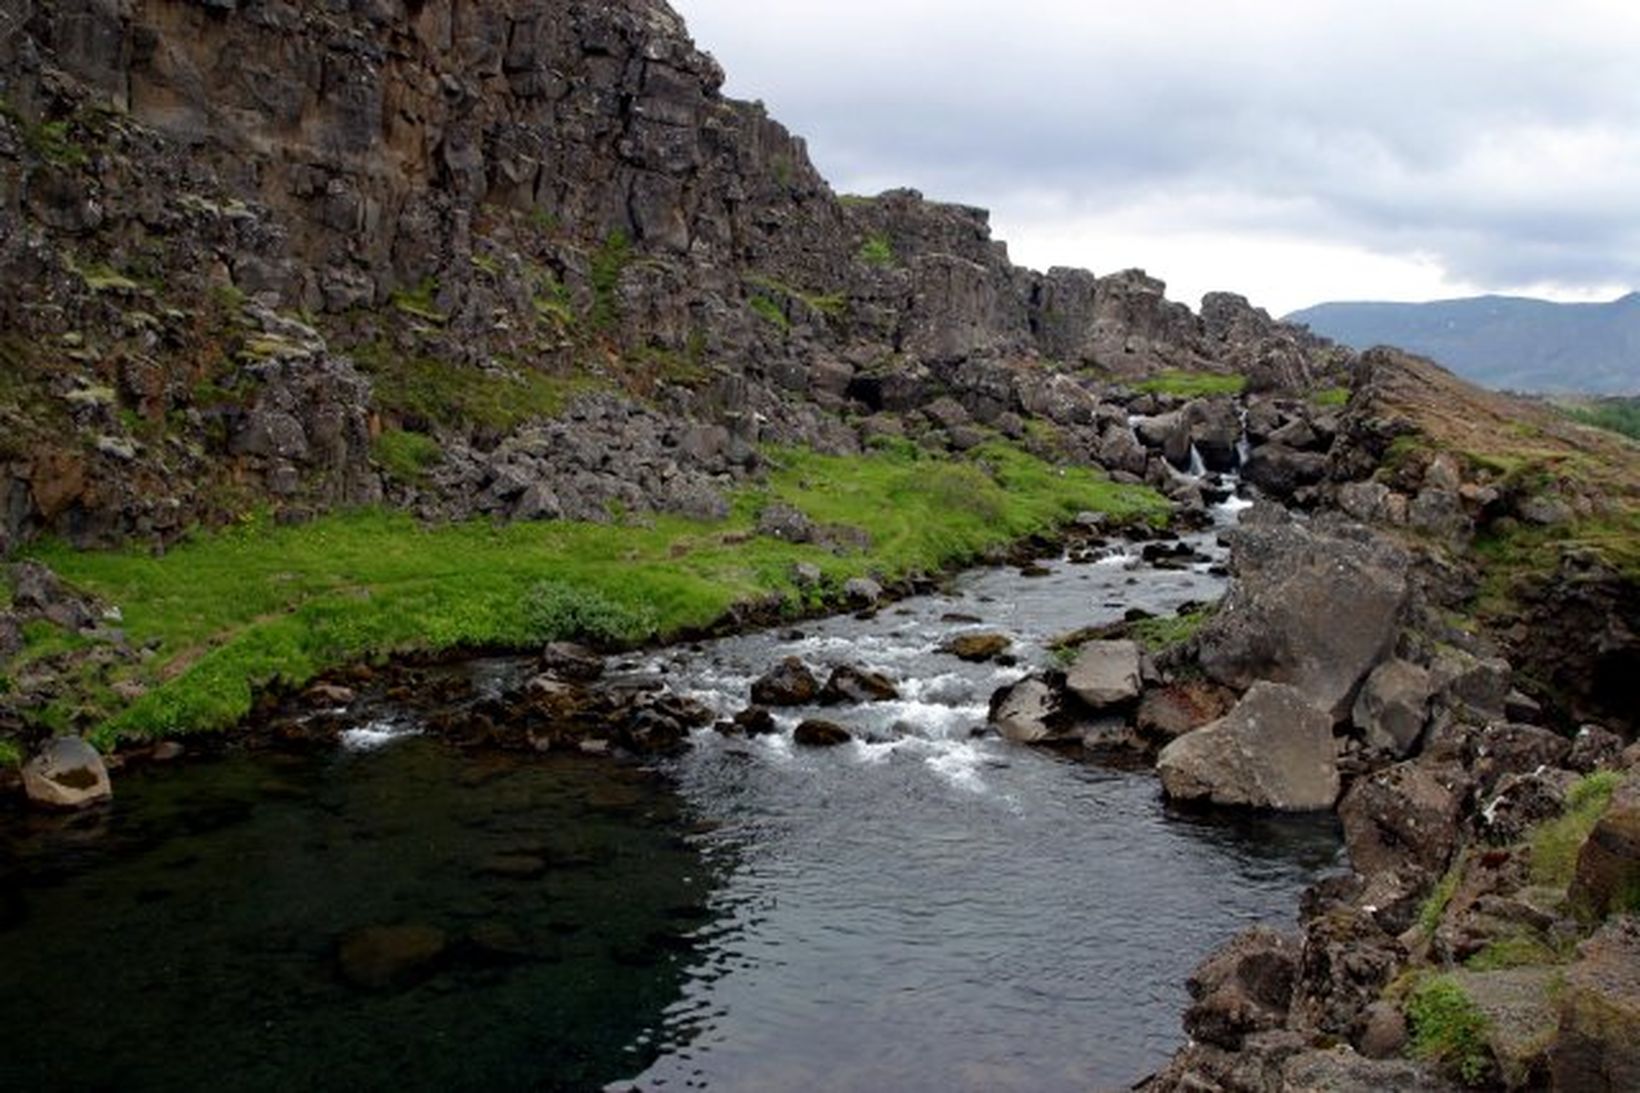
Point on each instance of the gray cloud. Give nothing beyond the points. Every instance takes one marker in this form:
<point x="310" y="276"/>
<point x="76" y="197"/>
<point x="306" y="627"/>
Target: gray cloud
<point x="1498" y="139"/>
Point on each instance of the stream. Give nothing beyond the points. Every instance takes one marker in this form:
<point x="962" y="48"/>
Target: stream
<point x="923" y="908"/>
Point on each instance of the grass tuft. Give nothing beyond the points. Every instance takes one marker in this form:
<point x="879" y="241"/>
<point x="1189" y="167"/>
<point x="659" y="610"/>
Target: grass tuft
<point x="1193" y="384"/>
<point x="405" y="456"/>
<point x="1556" y="843"/>
<point x="1448" y="1029"/>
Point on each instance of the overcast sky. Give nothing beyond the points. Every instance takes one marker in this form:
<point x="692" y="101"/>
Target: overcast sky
<point x="1293" y="151"/>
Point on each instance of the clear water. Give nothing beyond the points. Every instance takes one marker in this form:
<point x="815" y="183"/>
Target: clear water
<point x="927" y="910"/>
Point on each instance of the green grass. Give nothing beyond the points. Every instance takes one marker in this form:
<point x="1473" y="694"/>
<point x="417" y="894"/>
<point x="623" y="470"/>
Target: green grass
<point x="1515" y="951"/>
<point x="234" y="611"/>
<point x="832" y="305"/>
<point x="422" y="389"/>
<point x="418" y="302"/>
<point x="609" y="261"/>
<point x="1434" y="905"/>
<point x="405" y="456"/>
<point x="11" y="755"/>
<point x="1615" y="415"/>
<point x="1330" y="397"/>
<point x="876" y="251"/>
<point x="1193" y="384"/>
<point x="1448" y="1029"/>
<point x="1556" y="843"/>
<point x="1164" y="633"/>
<point x="770" y="311"/>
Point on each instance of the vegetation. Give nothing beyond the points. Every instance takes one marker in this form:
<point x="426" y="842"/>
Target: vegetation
<point x="1555" y="843"/>
<point x="1194" y="384"/>
<point x="831" y="305"/>
<point x="405" y="456"/>
<point x="418" y="301"/>
<point x="1164" y="633"/>
<point x="1330" y="397"/>
<point x="1516" y="951"/>
<point x="230" y="612"/>
<point x="10" y="754"/>
<point x="877" y="251"/>
<point x="770" y="311"/>
<point x="1448" y="1029"/>
<point x="604" y="273"/>
<point x="1434" y="905"/>
<point x="421" y="390"/>
<point x="1615" y="415"/>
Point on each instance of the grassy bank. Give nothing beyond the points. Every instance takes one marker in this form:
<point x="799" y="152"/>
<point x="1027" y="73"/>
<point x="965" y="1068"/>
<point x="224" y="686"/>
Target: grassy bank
<point x="229" y="612"/>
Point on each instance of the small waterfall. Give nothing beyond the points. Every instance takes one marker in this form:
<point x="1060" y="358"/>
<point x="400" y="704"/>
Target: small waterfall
<point x="1198" y="466"/>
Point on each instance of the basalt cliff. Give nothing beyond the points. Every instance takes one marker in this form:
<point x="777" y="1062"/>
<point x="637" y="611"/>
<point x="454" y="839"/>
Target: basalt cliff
<point x="267" y="261"/>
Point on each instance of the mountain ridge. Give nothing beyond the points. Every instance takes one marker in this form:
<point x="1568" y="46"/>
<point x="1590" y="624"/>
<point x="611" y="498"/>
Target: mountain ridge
<point x="1515" y="342"/>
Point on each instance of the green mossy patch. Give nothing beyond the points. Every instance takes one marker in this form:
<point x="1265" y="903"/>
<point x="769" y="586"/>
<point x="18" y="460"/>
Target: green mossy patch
<point x="1193" y="384"/>
<point x="1448" y="1029"/>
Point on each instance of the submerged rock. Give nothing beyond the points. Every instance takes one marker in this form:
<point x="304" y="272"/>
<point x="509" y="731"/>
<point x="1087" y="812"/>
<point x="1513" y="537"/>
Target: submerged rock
<point x="1274" y="750"/>
<point x="390" y="957"/>
<point x="67" y="773"/>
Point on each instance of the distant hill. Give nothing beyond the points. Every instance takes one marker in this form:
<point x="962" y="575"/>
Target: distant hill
<point x="1506" y="342"/>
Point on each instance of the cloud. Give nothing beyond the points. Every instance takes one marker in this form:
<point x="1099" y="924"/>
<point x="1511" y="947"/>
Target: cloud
<point x="1489" y="144"/>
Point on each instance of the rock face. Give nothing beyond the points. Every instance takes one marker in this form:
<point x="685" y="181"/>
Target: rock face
<point x="67" y="773"/>
<point x="1314" y="610"/>
<point x="1105" y="673"/>
<point x="1608" y="865"/>
<point x="1597" y="1045"/>
<point x="1274" y="750"/>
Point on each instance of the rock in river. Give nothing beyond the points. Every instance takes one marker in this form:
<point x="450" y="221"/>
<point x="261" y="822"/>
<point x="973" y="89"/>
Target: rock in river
<point x="1274" y="750"/>
<point x="977" y="648"/>
<point x="815" y="733"/>
<point x="390" y="957"/>
<point x="67" y="773"/>
<point x="1106" y="673"/>
<point x="789" y="683"/>
<point x="851" y="684"/>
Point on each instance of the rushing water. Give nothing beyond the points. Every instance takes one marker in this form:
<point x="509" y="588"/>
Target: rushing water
<point x="925" y="908"/>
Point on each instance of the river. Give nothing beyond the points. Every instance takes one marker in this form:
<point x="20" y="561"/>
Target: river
<point x="924" y="908"/>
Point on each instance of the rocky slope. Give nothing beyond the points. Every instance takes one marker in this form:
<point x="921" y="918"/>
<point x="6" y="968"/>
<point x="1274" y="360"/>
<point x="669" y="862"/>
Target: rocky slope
<point x="269" y="254"/>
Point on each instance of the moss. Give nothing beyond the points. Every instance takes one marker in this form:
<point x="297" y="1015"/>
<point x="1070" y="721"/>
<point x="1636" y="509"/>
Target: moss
<point x="11" y="753"/>
<point x="1164" y="633"/>
<point x="1194" y="384"/>
<point x="770" y="311"/>
<point x="876" y="251"/>
<point x="405" y="456"/>
<point x="1435" y="904"/>
<point x="608" y="262"/>
<point x="420" y="390"/>
<point x="419" y="301"/>
<point x="1330" y="397"/>
<point x="1515" y="951"/>
<point x="831" y="305"/>
<point x="1556" y="843"/>
<point x="1448" y="1029"/>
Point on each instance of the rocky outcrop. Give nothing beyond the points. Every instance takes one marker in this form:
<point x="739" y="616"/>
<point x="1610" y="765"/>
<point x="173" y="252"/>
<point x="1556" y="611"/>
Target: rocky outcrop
<point x="1274" y="750"/>
<point x="1314" y="608"/>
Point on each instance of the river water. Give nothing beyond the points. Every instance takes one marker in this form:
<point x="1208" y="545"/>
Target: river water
<point x="924" y="908"/>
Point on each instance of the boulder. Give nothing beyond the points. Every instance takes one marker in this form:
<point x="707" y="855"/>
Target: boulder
<point x="66" y="773"/>
<point x="1244" y="987"/>
<point x="754" y="721"/>
<point x="815" y="733"/>
<point x="1215" y="428"/>
<point x="1105" y="674"/>
<point x="569" y="661"/>
<point x="1345" y="963"/>
<point x="1608" y="865"/>
<point x="789" y="683"/>
<point x="1405" y="815"/>
<point x="977" y="648"/>
<point x="1389" y="712"/>
<point x="851" y="684"/>
<point x="1597" y="1042"/>
<point x="1274" y="750"/>
<point x="1520" y="802"/>
<point x="1313" y="610"/>
<point x="1280" y="472"/>
<point x="1503" y="749"/>
<point x="1167" y="713"/>
<point x="1024" y="711"/>
<point x="862" y="591"/>
<point x="1593" y="748"/>
<point x="390" y="957"/>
